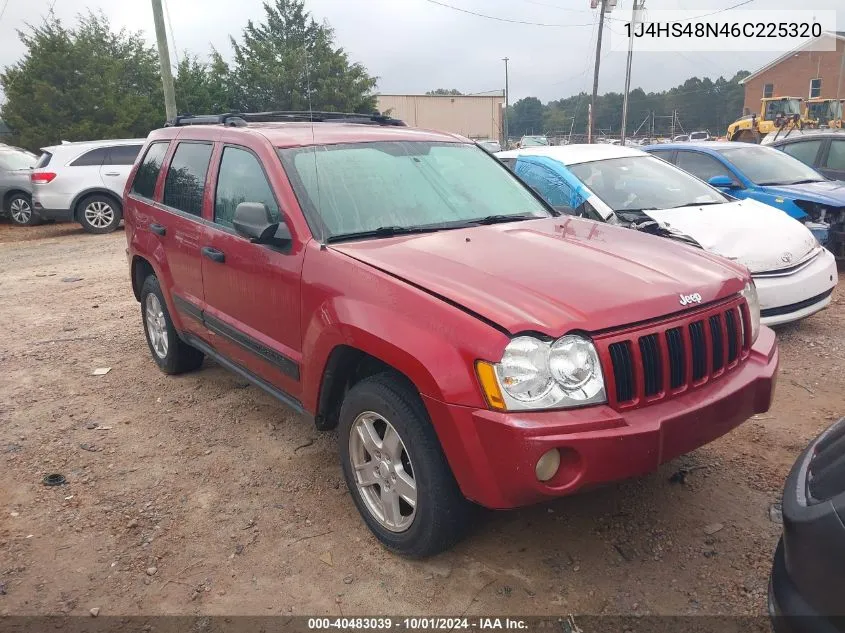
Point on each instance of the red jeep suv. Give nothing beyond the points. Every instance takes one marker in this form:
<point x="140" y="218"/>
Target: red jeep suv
<point x="469" y="342"/>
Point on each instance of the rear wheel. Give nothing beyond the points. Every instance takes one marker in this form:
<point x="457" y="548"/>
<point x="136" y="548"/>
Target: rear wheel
<point x="396" y="471"/>
<point x="171" y="353"/>
<point x="20" y="210"/>
<point x="99" y="214"/>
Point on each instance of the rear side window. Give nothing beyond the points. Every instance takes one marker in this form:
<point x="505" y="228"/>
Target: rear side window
<point x="43" y="160"/>
<point x="241" y="179"/>
<point x="93" y="158"/>
<point x="185" y="183"/>
<point x="145" y="180"/>
<point x="123" y="155"/>
<point x="836" y="155"/>
<point x="805" y="151"/>
<point x="662" y="153"/>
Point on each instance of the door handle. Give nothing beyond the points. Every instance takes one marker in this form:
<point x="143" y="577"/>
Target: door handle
<point x="112" y="173"/>
<point x="213" y="254"/>
<point x="158" y="229"/>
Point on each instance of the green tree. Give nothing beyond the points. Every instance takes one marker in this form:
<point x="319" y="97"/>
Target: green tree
<point x="203" y="88"/>
<point x="81" y="83"/>
<point x="444" y="92"/>
<point x="555" y="119"/>
<point x="278" y="60"/>
<point x="526" y="117"/>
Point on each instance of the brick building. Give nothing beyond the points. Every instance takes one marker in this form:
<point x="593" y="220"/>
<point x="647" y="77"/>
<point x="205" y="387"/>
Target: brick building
<point x="799" y="73"/>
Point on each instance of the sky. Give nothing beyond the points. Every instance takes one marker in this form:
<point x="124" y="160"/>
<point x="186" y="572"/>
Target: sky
<point x="417" y="45"/>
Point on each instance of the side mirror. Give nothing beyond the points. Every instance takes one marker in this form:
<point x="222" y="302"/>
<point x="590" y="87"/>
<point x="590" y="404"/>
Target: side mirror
<point x="253" y="220"/>
<point x="722" y="182"/>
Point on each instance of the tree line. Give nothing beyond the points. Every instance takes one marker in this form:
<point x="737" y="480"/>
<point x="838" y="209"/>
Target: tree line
<point x="701" y="104"/>
<point x="87" y="81"/>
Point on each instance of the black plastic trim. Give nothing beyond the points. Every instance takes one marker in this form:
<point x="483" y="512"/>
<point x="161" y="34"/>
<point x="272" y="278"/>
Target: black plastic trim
<point x="793" y="307"/>
<point x="280" y="395"/>
<point x="183" y="305"/>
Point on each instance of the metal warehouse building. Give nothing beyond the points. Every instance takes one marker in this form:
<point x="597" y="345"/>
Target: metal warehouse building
<point x="473" y="116"/>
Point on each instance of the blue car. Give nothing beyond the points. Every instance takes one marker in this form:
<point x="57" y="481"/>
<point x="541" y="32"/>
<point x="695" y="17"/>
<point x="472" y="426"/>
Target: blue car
<point x="761" y="173"/>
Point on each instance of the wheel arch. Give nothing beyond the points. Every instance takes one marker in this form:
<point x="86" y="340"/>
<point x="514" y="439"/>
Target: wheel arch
<point x="94" y="191"/>
<point x="7" y="197"/>
<point x="140" y="269"/>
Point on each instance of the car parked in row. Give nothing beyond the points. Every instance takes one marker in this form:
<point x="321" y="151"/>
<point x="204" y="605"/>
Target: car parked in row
<point x="808" y="573"/>
<point x="795" y="276"/>
<point x="823" y="150"/>
<point x="83" y="182"/>
<point x="468" y="341"/>
<point x="760" y="173"/>
<point x="15" y="187"/>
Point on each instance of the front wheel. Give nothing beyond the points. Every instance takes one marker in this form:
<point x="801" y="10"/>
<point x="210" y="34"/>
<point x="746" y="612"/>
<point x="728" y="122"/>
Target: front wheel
<point x="20" y="210"/>
<point x="396" y="471"/>
<point x="99" y="214"/>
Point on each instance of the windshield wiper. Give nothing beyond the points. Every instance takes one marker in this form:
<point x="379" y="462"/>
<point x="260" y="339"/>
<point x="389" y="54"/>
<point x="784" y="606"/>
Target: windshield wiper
<point x="384" y="231"/>
<point x="698" y="204"/>
<point x="499" y="219"/>
<point x="804" y="182"/>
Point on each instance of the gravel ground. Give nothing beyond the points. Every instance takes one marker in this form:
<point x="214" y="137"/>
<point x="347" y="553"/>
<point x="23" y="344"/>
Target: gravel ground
<point x="200" y="494"/>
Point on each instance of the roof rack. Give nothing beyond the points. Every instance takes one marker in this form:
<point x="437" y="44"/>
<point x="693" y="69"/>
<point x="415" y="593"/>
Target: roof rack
<point x="239" y="119"/>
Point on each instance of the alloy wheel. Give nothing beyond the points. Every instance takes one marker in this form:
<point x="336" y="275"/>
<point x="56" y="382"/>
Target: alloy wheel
<point x="156" y="325"/>
<point x="99" y="214"/>
<point x="21" y="210"/>
<point x="383" y="472"/>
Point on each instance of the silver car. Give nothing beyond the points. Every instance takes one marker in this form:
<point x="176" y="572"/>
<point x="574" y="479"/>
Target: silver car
<point x="15" y="187"/>
<point x="84" y="182"/>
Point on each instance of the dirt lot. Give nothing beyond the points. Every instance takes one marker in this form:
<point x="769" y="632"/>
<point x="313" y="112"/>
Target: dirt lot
<point x="201" y="494"/>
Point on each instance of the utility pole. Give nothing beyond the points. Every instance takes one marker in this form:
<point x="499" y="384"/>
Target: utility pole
<point x="505" y="143"/>
<point x="596" y="70"/>
<point x="164" y="62"/>
<point x="634" y="15"/>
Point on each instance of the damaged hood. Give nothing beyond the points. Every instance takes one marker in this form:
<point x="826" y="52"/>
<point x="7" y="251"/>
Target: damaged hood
<point x="552" y="275"/>
<point x="758" y="236"/>
<point x="827" y="192"/>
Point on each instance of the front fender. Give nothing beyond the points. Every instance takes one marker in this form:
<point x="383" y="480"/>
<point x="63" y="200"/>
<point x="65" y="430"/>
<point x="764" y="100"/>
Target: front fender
<point x="787" y="205"/>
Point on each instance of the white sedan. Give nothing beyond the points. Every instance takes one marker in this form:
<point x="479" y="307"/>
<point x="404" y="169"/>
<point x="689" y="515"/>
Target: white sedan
<point x="795" y="276"/>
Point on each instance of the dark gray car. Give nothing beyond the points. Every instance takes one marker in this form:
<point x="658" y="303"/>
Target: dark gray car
<point x="823" y="150"/>
<point x="15" y="185"/>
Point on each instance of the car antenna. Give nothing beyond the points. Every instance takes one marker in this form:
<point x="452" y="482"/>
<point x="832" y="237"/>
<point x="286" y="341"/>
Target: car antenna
<point x="313" y="141"/>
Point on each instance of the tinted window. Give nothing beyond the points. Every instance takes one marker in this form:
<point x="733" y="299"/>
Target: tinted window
<point x="43" y="160"/>
<point x="147" y="175"/>
<point x="665" y="154"/>
<point x="94" y="157"/>
<point x="805" y="151"/>
<point x="241" y="179"/>
<point x="185" y="182"/>
<point x="701" y="165"/>
<point x="836" y="156"/>
<point x="123" y="155"/>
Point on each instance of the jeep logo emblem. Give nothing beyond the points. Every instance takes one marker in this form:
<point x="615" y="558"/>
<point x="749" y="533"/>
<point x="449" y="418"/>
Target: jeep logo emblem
<point x="688" y="299"/>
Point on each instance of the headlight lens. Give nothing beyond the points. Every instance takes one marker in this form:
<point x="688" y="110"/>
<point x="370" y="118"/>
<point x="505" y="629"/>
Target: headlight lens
<point x="750" y="295"/>
<point x="535" y="374"/>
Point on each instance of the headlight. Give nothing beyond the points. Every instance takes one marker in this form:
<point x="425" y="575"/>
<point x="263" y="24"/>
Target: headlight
<point x="535" y="374"/>
<point x="750" y="295"/>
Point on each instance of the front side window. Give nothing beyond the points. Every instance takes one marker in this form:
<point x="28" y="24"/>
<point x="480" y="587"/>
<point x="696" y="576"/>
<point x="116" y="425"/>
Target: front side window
<point x="185" y="183"/>
<point x="241" y="179"/>
<point x="94" y="158"/>
<point x="123" y="155"/>
<point x="767" y="166"/>
<point x="701" y="165"/>
<point x="836" y="155"/>
<point x="805" y="151"/>
<point x="145" y="179"/>
<point x="642" y="183"/>
<point x="358" y="187"/>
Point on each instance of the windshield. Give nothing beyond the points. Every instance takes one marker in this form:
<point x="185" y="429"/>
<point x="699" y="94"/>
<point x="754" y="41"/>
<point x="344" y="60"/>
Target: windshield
<point x="637" y="183"/>
<point x="11" y="160"/>
<point x="534" y="141"/>
<point x="767" y="166"/>
<point x="354" y="188"/>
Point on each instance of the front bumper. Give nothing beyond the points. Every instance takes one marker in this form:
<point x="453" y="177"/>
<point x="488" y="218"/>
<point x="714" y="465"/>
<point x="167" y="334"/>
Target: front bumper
<point x="798" y="294"/>
<point x="493" y="454"/>
<point x="808" y="575"/>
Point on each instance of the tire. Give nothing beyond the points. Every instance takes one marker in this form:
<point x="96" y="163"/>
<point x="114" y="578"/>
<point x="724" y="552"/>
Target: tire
<point x="440" y="515"/>
<point x="171" y="353"/>
<point x="20" y="210"/>
<point x="99" y="214"/>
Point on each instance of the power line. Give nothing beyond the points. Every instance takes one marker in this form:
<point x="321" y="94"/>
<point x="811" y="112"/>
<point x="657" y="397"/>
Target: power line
<point x="172" y="36"/>
<point x="555" y="6"/>
<point x="3" y="10"/>
<point x="498" y="19"/>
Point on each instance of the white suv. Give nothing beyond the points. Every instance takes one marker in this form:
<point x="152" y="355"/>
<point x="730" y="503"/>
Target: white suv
<point x="83" y="182"/>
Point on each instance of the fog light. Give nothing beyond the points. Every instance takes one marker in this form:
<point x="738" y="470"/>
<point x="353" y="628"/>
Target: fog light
<point x="547" y="465"/>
